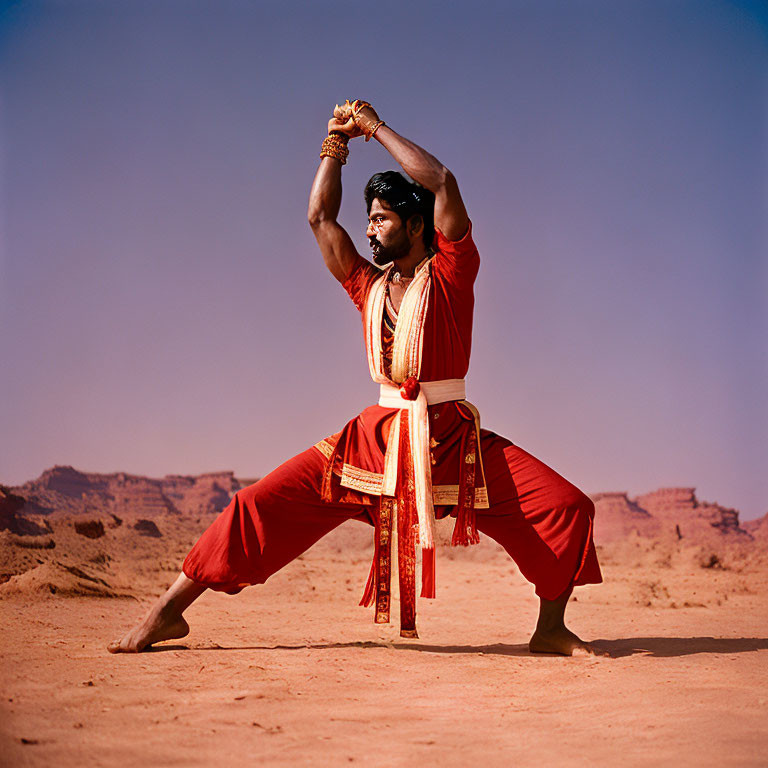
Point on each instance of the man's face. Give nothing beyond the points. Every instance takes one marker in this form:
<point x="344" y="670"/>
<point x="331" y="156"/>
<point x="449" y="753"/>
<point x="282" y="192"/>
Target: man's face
<point x="386" y="234"/>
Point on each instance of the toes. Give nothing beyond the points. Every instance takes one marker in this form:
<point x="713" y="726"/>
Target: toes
<point x="116" y="646"/>
<point x="589" y="650"/>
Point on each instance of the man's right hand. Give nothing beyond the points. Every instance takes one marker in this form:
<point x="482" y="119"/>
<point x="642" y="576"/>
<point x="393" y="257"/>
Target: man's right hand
<point x="348" y="127"/>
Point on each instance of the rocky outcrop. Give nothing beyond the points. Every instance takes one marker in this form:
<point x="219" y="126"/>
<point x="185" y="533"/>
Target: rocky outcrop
<point x="60" y="579"/>
<point x="617" y="517"/>
<point x="758" y="528"/>
<point x="201" y="494"/>
<point x="667" y="514"/>
<point x="679" y="512"/>
<point x="91" y="529"/>
<point x="12" y="519"/>
<point x="147" y="528"/>
<point x="65" y="491"/>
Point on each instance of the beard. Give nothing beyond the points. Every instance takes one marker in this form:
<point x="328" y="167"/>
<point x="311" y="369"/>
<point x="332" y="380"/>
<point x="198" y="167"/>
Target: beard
<point x="385" y="254"/>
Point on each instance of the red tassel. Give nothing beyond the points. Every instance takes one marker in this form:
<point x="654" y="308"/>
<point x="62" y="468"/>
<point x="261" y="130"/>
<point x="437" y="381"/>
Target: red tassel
<point x="428" y="572"/>
<point x="465" y="530"/>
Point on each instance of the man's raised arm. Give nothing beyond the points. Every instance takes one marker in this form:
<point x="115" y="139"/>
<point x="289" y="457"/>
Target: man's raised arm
<point x="450" y="214"/>
<point x="335" y="244"/>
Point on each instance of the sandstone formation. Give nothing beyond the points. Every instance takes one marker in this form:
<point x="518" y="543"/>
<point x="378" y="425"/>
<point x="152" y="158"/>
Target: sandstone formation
<point x="58" y="578"/>
<point x="63" y="490"/>
<point x="12" y="520"/>
<point x="91" y="529"/>
<point x="71" y="519"/>
<point x="680" y="512"/>
<point x="617" y="517"/>
<point x="147" y="528"/>
<point x="758" y="528"/>
<point x="667" y="514"/>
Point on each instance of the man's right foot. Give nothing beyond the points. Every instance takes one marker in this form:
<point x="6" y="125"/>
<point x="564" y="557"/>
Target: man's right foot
<point x="154" y="629"/>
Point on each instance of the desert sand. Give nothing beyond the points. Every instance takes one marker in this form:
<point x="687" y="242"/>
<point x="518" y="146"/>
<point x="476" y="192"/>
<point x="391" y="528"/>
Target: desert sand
<point x="293" y="672"/>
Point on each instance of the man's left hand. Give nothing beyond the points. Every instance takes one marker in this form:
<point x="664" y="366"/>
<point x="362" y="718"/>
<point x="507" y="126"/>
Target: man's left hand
<point x="342" y="121"/>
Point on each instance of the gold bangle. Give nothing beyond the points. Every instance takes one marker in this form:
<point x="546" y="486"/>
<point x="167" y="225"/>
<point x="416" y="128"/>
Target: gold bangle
<point x="366" y="124"/>
<point x="335" y="146"/>
<point x="339" y="136"/>
<point x="357" y="105"/>
<point x="374" y="129"/>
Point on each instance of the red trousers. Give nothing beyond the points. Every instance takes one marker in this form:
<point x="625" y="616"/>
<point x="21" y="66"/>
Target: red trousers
<point x="543" y="522"/>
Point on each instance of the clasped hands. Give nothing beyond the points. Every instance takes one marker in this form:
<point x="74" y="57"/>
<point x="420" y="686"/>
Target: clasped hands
<point x="357" y="118"/>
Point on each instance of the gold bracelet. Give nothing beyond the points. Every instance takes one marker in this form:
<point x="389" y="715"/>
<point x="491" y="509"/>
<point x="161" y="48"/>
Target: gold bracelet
<point x="364" y="123"/>
<point x="374" y="129"/>
<point x="335" y="145"/>
<point x="357" y="105"/>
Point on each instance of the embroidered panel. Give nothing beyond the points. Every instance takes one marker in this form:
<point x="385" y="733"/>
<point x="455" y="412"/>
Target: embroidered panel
<point x="361" y="480"/>
<point x="448" y="495"/>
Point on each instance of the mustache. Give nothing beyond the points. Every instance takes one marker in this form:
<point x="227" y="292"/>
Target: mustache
<point x="373" y="241"/>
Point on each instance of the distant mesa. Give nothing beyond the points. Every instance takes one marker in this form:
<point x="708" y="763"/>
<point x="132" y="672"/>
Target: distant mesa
<point x="72" y="533"/>
<point x="668" y="513"/>
<point x="66" y="491"/>
<point x="104" y="501"/>
<point x="67" y="481"/>
<point x="616" y="516"/>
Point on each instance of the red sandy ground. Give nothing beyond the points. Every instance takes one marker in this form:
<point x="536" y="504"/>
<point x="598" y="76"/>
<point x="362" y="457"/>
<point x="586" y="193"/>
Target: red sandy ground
<point x="294" y="673"/>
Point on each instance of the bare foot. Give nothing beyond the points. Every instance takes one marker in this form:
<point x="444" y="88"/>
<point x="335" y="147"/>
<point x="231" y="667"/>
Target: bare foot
<point x="561" y="640"/>
<point x="157" y="626"/>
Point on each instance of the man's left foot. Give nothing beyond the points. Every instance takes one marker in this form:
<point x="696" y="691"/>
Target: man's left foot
<point x="561" y="640"/>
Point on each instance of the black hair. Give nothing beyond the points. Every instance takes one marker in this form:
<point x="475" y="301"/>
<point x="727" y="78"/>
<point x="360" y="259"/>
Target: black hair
<point x="405" y="198"/>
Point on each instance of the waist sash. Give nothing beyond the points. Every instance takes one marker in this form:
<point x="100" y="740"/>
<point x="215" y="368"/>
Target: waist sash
<point x="406" y="503"/>
<point x="414" y="397"/>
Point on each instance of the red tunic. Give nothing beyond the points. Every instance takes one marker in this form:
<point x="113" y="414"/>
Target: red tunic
<point x="445" y="355"/>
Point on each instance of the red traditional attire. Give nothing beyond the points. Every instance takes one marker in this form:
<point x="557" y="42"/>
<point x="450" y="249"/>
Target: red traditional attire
<point x="417" y="455"/>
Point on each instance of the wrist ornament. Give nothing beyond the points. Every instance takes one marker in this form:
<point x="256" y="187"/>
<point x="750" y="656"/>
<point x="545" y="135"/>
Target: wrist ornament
<point x="368" y="122"/>
<point x="335" y="145"/>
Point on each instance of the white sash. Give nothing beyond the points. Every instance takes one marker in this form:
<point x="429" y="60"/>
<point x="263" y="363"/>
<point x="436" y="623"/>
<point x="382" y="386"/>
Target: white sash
<point x="406" y="363"/>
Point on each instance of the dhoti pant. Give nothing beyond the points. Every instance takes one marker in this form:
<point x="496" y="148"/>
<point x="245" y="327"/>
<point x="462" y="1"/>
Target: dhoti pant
<point x="542" y="520"/>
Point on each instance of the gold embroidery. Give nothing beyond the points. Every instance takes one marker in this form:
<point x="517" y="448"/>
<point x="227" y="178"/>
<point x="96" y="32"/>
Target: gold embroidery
<point x="361" y="480"/>
<point x="448" y="495"/>
<point x="325" y="448"/>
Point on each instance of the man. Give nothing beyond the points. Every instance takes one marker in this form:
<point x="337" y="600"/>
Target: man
<point x="420" y="453"/>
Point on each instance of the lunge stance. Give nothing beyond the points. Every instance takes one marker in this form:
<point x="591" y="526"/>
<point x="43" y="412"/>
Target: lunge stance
<point x="419" y="454"/>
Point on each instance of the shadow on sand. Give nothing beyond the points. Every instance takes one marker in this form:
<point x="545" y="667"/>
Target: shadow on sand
<point x="631" y="646"/>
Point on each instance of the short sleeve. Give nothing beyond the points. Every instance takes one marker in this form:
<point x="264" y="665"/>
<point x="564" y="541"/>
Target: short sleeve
<point x="359" y="280"/>
<point x="458" y="260"/>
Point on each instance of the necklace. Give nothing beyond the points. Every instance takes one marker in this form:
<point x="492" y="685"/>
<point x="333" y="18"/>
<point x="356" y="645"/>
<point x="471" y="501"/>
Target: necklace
<point x="396" y="278"/>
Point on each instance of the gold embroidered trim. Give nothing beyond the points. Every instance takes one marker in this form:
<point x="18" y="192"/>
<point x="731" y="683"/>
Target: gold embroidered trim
<point x="448" y="495"/>
<point x="325" y="448"/>
<point x="361" y="480"/>
<point x="372" y="482"/>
